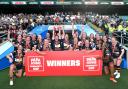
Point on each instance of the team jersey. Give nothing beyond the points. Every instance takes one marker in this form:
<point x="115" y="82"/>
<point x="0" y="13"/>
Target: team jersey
<point x="34" y="42"/>
<point x="22" y="43"/>
<point x="40" y="46"/>
<point x="47" y="48"/>
<point x="65" y="45"/>
<point x="56" y="46"/>
<point x="18" y="58"/>
<point x="116" y="51"/>
<point x="107" y="49"/>
<point x="98" y="44"/>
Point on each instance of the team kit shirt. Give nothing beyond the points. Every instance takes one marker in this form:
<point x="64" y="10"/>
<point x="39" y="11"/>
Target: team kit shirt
<point x="116" y="51"/>
<point x="56" y="45"/>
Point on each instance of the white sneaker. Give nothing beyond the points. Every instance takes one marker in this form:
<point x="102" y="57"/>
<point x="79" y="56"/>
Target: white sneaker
<point x="11" y="82"/>
<point x="115" y="73"/>
<point x="118" y="75"/>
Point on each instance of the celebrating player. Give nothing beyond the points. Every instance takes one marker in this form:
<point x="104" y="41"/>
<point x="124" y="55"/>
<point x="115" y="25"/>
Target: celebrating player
<point x="117" y="53"/>
<point x="107" y="59"/>
<point x="16" y="66"/>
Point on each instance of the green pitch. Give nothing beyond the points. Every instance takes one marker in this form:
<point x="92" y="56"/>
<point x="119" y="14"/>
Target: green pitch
<point x="64" y="82"/>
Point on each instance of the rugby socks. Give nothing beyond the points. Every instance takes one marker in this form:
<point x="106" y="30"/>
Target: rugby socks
<point x="11" y="81"/>
<point x="117" y="72"/>
<point x="115" y="66"/>
<point x="111" y="71"/>
<point x="14" y="74"/>
<point x="11" y="78"/>
<point x="118" y="69"/>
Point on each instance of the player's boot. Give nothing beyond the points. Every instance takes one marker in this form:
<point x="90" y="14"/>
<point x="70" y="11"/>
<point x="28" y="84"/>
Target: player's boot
<point x="113" y="79"/>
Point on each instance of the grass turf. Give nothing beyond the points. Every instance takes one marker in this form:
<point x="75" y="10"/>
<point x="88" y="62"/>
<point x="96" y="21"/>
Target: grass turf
<point x="78" y="82"/>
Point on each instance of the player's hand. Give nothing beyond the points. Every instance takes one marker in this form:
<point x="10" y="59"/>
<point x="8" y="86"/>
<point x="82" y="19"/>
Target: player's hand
<point x="119" y="58"/>
<point x="10" y="60"/>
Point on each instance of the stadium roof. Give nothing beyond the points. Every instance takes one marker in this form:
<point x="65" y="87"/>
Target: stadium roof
<point x="39" y="6"/>
<point x="65" y="2"/>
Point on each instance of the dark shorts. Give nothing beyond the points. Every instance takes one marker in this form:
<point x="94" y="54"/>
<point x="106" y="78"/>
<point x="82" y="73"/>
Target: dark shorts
<point x="107" y="61"/>
<point x="114" y="57"/>
<point x="20" y="66"/>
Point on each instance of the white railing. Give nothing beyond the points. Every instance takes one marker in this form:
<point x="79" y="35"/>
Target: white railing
<point x="122" y="37"/>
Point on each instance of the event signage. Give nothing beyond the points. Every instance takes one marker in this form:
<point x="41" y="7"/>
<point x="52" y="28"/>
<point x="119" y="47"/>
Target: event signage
<point x="63" y="63"/>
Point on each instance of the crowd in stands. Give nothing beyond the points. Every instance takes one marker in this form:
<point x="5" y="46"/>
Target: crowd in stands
<point x="27" y="20"/>
<point x="109" y="23"/>
<point x="17" y="27"/>
<point x="19" y="23"/>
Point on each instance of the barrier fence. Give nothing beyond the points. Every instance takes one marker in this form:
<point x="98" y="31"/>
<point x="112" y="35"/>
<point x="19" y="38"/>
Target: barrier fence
<point x="122" y="37"/>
